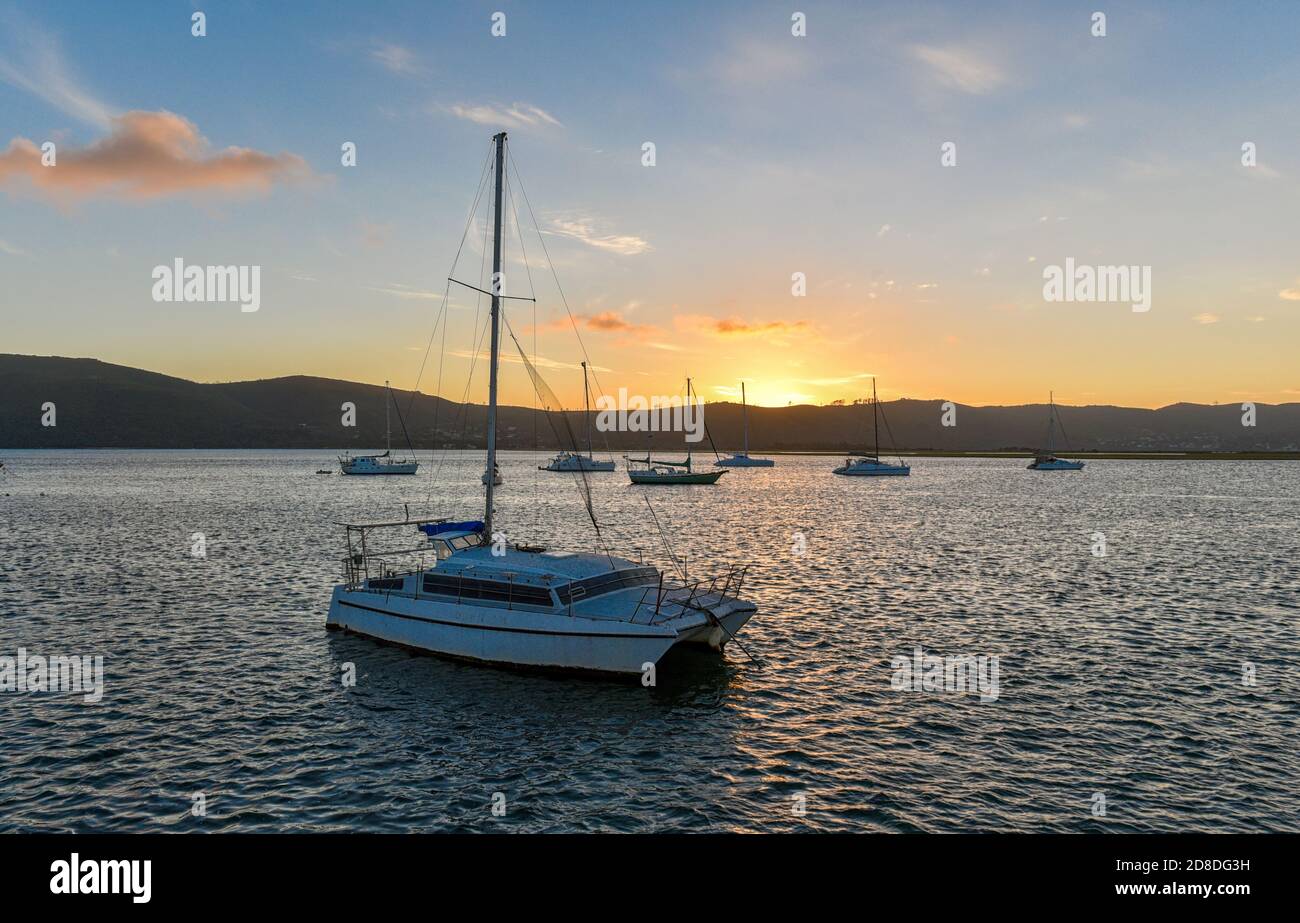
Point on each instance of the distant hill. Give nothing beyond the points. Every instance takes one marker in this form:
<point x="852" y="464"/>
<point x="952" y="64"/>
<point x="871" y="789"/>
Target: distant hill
<point x="100" y="405"/>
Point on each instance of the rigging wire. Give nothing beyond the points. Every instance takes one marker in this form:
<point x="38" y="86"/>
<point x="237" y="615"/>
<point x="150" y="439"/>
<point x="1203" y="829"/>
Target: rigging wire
<point x="569" y="311"/>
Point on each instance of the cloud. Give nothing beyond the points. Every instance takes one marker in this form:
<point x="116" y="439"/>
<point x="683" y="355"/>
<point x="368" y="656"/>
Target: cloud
<point x="396" y="58"/>
<point x="1206" y="317"/>
<point x="6" y="247"/>
<point x="405" y="291"/>
<point x="751" y="61"/>
<point x="736" y="327"/>
<point x="37" y="66"/>
<point x="959" y="68"/>
<point x="614" y="322"/>
<point x="517" y="115"/>
<point x="1289" y="294"/>
<point x="583" y="229"/>
<point x="375" y="235"/>
<point x="148" y="155"/>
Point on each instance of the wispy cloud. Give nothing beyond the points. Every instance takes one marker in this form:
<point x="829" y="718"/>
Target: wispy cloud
<point x="396" y="58"/>
<point x="754" y="61"/>
<point x="6" y="247"/>
<point x="516" y="115"/>
<point x="405" y="291"/>
<point x="33" y="62"/>
<point x="736" y="327"/>
<point x="1205" y="317"/>
<point x="540" y="362"/>
<point x="960" y="69"/>
<point x="148" y="155"/>
<point x="1289" y="294"/>
<point x="583" y="229"/>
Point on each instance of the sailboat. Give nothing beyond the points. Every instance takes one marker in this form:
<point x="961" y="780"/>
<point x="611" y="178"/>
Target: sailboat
<point x="658" y="471"/>
<point x="742" y="460"/>
<point x="864" y="465"/>
<point x="385" y="463"/>
<point x="574" y="461"/>
<point x="485" y="599"/>
<point x="1045" y="460"/>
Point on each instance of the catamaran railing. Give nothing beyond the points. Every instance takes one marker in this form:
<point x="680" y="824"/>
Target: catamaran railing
<point x="692" y="594"/>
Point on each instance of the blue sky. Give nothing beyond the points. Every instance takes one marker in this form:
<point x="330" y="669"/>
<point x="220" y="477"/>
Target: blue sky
<point x="775" y="154"/>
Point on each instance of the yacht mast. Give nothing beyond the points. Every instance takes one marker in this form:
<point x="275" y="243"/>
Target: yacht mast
<point x="500" y="141"/>
<point x="586" y="404"/>
<point x="744" y="409"/>
<point x="1051" y="415"/>
<point x="875" y="418"/>
<point x="388" y="429"/>
<point x="684" y="410"/>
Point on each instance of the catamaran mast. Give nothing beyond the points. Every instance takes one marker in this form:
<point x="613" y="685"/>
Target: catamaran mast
<point x="500" y="141"/>
<point x="744" y="409"/>
<point x="586" y="404"/>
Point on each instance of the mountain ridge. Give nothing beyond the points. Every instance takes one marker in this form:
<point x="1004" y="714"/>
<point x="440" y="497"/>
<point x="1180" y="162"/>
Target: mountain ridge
<point x="104" y="405"/>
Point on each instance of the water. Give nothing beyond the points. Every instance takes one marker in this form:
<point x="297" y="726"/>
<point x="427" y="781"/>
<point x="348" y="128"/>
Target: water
<point x="1124" y="675"/>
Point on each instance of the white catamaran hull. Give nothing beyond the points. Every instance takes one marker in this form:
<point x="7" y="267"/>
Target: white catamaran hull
<point x="517" y="637"/>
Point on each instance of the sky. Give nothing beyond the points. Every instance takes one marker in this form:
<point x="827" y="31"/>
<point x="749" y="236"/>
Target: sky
<point x="775" y="154"/>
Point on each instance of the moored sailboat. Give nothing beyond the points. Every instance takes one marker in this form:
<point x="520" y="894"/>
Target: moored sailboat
<point x="742" y="459"/>
<point x="869" y="464"/>
<point x="384" y="463"/>
<point x="1046" y="460"/>
<point x="575" y="461"/>
<point x="659" y="471"/>
<point x="487" y="599"/>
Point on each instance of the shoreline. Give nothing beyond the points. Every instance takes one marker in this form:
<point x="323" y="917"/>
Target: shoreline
<point x="1118" y="455"/>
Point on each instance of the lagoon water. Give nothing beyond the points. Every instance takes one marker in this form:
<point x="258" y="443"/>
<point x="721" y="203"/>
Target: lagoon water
<point x="1158" y="680"/>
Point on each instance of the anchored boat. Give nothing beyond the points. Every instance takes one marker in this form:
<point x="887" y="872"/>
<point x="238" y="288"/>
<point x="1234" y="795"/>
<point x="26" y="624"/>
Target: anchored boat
<point x="742" y="459"/>
<point x="870" y="465"/>
<point x="385" y="463"/>
<point x="1045" y="460"/>
<point x="574" y="461"/>
<point x="659" y="471"/>
<point x="464" y="590"/>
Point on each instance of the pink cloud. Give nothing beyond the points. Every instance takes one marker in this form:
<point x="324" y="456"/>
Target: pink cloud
<point x="147" y="155"/>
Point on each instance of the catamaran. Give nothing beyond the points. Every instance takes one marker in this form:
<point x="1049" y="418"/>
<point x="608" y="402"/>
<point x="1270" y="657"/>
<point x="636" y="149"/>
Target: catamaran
<point x="742" y="459"/>
<point x="658" y="471"/>
<point x="870" y="465"/>
<point x="1045" y="460"/>
<point x="385" y="463"/>
<point x="487" y="599"/>
<point x="574" y="461"/>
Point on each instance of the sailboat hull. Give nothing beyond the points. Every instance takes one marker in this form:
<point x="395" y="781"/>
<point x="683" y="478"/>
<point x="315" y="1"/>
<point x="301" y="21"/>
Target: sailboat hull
<point x="367" y="470"/>
<point x="673" y="477"/>
<point x="744" y="461"/>
<point x="519" y="638"/>
<point x="577" y="463"/>
<point x="873" y="470"/>
<point x="1056" y="465"/>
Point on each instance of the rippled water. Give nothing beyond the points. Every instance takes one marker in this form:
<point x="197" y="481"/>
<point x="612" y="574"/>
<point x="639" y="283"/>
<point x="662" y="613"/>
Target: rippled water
<point x="1124" y="675"/>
